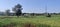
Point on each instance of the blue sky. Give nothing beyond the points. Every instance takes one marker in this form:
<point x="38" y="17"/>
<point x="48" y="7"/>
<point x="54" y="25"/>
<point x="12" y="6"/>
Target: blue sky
<point x="30" y="6"/>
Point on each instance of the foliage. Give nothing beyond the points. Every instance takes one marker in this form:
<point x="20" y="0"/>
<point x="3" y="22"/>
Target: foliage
<point x="8" y="12"/>
<point x="17" y="9"/>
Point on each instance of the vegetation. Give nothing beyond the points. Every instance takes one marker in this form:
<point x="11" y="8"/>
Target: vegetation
<point x="7" y="12"/>
<point x="32" y="21"/>
<point x="17" y="9"/>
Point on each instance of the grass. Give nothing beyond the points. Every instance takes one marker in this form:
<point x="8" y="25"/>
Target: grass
<point x="38" y="21"/>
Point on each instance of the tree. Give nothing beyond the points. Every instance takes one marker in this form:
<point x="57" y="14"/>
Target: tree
<point x="17" y="9"/>
<point x="48" y="15"/>
<point x="8" y="12"/>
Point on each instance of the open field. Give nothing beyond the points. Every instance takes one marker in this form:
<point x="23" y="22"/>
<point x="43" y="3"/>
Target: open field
<point x="38" y="21"/>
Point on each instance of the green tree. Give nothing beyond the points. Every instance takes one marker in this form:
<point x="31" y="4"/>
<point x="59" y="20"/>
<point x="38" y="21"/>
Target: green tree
<point x="8" y="12"/>
<point x="17" y="9"/>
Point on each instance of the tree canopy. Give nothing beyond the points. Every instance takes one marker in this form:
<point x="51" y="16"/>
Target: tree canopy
<point x="17" y="9"/>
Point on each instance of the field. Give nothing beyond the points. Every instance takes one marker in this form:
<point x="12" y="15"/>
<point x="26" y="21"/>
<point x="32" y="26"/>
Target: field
<point x="34" y="21"/>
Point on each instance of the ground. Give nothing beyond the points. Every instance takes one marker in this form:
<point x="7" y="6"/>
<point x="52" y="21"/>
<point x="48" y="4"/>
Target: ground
<point x="37" y="21"/>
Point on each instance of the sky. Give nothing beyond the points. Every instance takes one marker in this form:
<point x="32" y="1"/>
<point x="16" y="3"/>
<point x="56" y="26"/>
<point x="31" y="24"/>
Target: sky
<point x="32" y="6"/>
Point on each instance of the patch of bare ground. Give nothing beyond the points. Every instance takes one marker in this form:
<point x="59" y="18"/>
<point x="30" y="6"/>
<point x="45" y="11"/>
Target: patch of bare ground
<point x="29" y="25"/>
<point x="9" y="25"/>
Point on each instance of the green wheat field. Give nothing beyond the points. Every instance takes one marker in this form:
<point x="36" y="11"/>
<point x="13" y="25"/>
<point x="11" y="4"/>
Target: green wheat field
<point x="37" y="21"/>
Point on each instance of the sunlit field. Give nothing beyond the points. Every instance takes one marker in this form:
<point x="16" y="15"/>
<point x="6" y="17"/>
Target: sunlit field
<point x="34" y="21"/>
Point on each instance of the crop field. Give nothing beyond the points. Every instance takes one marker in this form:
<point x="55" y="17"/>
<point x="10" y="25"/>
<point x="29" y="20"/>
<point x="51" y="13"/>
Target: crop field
<point x="30" y="21"/>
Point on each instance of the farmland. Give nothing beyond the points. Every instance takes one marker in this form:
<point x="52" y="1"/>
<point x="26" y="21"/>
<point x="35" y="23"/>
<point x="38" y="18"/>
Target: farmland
<point x="38" y="21"/>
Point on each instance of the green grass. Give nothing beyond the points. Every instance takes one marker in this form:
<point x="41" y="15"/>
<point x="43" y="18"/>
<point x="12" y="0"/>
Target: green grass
<point x="39" y="21"/>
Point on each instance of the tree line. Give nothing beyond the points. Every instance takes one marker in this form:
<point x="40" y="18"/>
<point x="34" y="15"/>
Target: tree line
<point x="17" y="10"/>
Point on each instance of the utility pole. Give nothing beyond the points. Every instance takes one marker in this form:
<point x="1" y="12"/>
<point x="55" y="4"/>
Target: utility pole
<point x="46" y="9"/>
